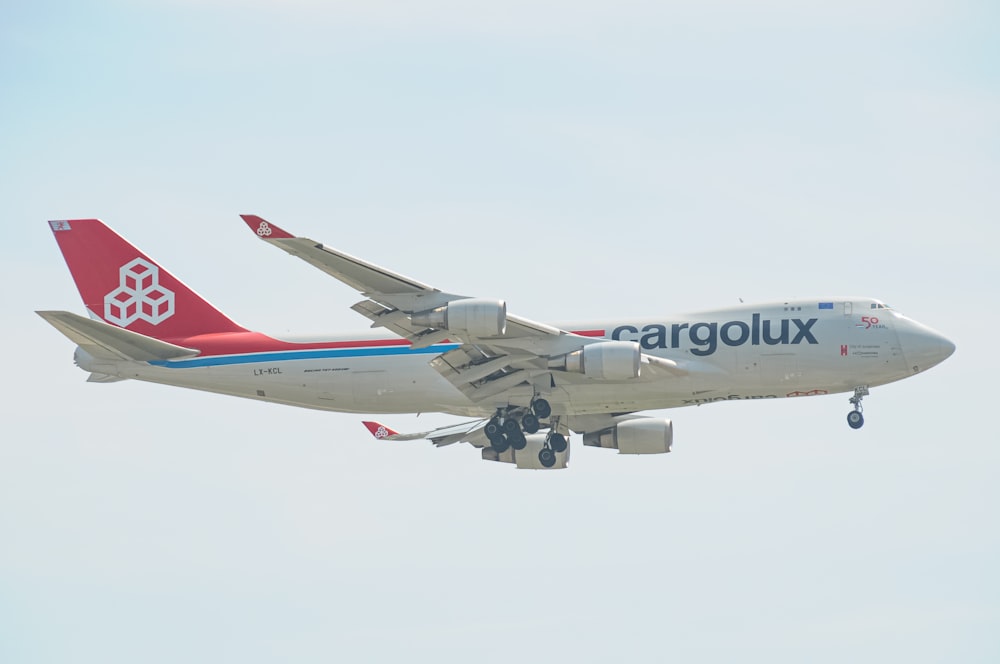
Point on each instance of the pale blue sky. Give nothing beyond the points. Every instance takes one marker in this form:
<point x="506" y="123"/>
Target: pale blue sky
<point x="581" y="160"/>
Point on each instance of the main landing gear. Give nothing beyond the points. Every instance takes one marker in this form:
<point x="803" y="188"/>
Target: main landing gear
<point x="555" y="443"/>
<point x="504" y="433"/>
<point x="541" y="408"/>
<point x="507" y="430"/>
<point x="855" y="419"/>
<point x="530" y="423"/>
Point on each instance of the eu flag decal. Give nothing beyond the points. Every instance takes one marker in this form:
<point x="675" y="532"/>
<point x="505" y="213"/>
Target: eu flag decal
<point x="826" y="305"/>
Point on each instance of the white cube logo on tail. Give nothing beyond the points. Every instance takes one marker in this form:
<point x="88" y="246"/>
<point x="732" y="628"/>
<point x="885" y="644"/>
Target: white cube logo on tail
<point x="264" y="230"/>
<point x="139" y="296"/>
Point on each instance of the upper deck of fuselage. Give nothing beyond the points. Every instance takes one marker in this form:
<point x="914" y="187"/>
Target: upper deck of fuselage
<point x="815" y="306"/>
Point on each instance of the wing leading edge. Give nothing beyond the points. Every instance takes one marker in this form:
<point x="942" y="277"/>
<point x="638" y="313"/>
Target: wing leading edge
<point x="499" y="351"/>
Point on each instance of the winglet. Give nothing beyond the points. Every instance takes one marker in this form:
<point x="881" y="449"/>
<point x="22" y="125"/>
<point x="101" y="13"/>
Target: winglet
<point x="264" y="229"/>
<point x="380" y="431"/>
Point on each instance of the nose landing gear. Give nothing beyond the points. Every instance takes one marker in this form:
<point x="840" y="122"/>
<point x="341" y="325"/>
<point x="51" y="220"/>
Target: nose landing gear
<point x="855" y="419"/>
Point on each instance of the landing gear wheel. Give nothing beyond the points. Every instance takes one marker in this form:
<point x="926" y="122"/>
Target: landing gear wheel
<point x="547" y="457"/>
<point x="493" y="429"/>
<point x="855" y="419"/>
<point x="510" y="426"/>
<point x="558" y="442"/>
<point x="541" y="408"/>
<point x="530" y="423"/>
<point x="500" y="444"/>
<point x="517" y="440"/>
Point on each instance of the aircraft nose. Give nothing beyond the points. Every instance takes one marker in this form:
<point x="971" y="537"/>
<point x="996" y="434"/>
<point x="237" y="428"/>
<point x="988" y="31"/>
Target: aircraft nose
<point x="946" y="349"/>
<point x="924" y="347"/>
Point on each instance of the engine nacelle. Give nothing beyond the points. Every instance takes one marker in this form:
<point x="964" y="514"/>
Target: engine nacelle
<point x="528" y="457"/>
<point x="475" y="317"/>
<point x="644" y="435"/>
<point x="604" y="360"/>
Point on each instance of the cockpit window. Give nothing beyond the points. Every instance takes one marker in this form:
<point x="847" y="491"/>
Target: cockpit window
<point x="879" y="305"/>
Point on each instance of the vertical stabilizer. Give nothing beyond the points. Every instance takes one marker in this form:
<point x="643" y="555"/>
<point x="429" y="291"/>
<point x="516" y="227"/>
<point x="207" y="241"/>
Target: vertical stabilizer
<point x="123" y="286"/>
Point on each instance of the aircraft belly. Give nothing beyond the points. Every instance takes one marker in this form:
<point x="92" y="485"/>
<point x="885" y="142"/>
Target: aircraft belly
<point x="378" y="385"/>
<point x="600" y="397"/>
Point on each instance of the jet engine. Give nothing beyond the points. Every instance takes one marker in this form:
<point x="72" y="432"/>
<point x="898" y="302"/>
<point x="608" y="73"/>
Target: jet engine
<point x="475" y="317"/>
<point x="604" y="360"/>
<point x="528" y="457"/>
<point x="641" y="435"/>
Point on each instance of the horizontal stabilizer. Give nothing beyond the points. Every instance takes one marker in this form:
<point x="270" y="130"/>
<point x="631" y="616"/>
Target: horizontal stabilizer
<point x="107" y="342"/>
<point x="103" y="378"/>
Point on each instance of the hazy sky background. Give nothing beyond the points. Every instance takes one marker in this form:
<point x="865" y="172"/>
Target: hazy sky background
<point x="582" y="160"/>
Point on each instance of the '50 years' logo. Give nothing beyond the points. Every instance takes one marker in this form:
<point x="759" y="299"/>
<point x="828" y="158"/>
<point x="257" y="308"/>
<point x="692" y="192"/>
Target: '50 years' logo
<point x="868" y="322"/>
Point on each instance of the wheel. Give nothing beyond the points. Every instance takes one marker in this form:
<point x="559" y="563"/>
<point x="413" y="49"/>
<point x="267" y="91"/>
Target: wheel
<point x="542" y="408"/>
<point x="547" y="457"/>
<point x="558" y="442"/>
<point x="511" y="426"/>
<point x="500" y="444"/>
<point x="530" y="423"/>
<point x="493" y="429"/>
<point x="855" y="419"/>
<point x="517" y="440"/>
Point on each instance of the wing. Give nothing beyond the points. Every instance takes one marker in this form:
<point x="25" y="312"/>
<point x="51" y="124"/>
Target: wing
<point x="466" y="432"/>
<point x="498" y="352"/>
<point x="524" y="456"/>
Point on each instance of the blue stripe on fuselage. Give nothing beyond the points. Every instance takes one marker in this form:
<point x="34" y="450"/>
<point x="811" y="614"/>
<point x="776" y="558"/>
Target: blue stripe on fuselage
<point x="312" y="354"/>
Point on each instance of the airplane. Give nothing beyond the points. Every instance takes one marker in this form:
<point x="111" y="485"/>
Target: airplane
<point x="526" y="384"/>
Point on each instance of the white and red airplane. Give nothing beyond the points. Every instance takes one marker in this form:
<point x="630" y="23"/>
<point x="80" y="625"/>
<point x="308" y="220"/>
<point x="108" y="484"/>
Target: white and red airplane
<point x="527" y="384"/>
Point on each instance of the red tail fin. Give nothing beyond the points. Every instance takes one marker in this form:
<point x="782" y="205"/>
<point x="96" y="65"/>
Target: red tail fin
<point x="122" y="286"/>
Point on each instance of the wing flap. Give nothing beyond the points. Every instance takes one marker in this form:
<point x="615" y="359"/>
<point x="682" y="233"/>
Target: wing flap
<point x="399" y="322"/>
<point x="495" y="386"/>
<point x="389" y="318"/>
<point x="479" y="376"/>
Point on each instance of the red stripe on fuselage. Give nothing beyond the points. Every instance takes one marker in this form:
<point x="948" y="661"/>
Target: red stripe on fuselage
<point x="239" y="343"/>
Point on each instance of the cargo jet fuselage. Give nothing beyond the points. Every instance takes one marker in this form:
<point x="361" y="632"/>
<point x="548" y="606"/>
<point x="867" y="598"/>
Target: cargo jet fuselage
<point x="468" y="356"/>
